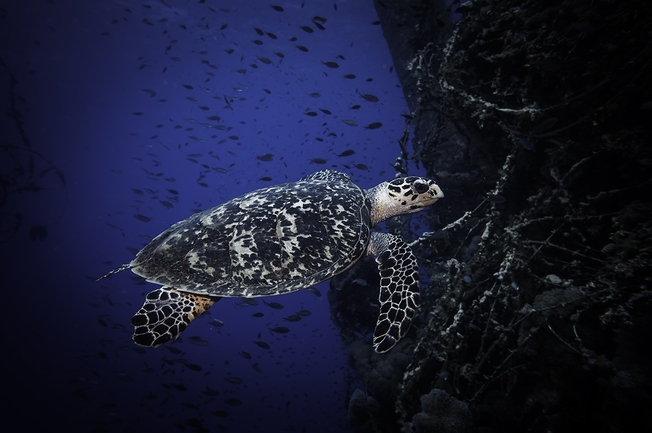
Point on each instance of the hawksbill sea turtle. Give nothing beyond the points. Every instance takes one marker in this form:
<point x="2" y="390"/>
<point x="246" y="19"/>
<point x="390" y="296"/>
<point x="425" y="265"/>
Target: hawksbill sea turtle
<point x="278" y="240"/>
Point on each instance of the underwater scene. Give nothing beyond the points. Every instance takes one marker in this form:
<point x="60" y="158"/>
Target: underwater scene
<point x="364" y="216"/>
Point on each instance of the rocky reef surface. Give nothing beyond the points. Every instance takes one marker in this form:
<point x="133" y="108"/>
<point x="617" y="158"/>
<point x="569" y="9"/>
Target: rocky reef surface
<point x="535" y="117"/>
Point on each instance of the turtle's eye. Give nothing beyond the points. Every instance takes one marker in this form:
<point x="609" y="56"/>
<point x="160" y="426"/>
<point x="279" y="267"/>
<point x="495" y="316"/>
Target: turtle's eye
<point x="420" y="187"/>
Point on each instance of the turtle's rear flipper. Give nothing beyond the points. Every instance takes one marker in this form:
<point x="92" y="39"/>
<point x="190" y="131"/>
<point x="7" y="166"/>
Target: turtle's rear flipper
<point x="399" y="289"/>
<point x="165" y="314"/>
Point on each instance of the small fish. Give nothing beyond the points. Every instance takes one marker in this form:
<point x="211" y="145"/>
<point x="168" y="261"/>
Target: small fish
<point x="277" y="8"/>
<point x="265" y="60"/>
<point x="374" y="125"/>
<point x="179" y="386"/>
<point x="369" y="97"/>
<point x="350" y="122"/>
<point x="325" y="111"/>
<point x="262" y="345"/>
<point x="257" y="42"/>
<point x="198" y="341"/>
<point x="257" y="315"/>
<point x="248" y="302"/>
<point x="280" y="329"/>
<point x="210" y="392"/>
<point x="302" y="48"/>
<point x="318" y="161"/>
<point x="311" y="113"/>
<point x="245" y="355"/>
<point x="256" y="367"/>
<point x="234" y="380"/>
<point x="307" y="29"/>
<point x="304" y="313"/>
<point x="281" y="55"/>
<point x="355" y="107"/>
<point x="114" y="227"/>
<point x="314" y="95"/>
<point x="292" y="318"/>
<point x="188" y="86"/>
<point x="361" y="282"/>
<point x="266" y="157"/>
<point x="173" y="350"/>
<point x="318" y="25"/>
<point x="259" y="31"/>
<point x="274" y="305"/>
<point x="346" y="153"/>
<point x="271" y="35"/>
<point x="265" y="179"/>
<point x="194" y="367"/>
<point x="142" y="218"/>
<point x="331" y="65"/>
<point x="361" y="167"/>
<point x="217" y="323"/>
<point x="314" y="291"/>
<point x="349" y="76"/>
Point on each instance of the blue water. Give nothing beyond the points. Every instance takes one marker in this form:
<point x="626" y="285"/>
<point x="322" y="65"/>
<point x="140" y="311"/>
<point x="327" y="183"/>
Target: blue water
<point x="161" y="109"/>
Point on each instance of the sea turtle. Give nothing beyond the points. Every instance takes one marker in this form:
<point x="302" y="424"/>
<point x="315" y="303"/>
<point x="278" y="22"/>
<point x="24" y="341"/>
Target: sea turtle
<point x="279" y="240"/>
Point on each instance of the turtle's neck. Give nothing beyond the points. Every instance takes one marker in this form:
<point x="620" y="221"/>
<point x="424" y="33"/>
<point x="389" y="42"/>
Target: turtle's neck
<point x="382" y="206"/>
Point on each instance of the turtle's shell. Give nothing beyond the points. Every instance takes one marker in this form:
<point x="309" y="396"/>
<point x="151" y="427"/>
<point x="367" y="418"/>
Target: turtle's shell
<point x="270" y="241"/>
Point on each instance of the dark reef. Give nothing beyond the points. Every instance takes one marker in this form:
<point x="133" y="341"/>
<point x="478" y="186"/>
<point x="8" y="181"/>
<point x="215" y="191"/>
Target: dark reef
<point x="535" y="117"/>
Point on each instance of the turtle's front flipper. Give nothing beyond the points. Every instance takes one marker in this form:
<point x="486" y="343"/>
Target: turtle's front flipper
<point x="399" y="288"/>
<point x="165" y="314"/>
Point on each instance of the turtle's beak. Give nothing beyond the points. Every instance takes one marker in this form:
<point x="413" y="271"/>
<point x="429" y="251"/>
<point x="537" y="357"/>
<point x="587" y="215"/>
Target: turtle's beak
<point x="436" y="192"/>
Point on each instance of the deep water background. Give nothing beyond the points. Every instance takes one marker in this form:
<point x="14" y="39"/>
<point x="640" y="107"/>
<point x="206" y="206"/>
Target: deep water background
<point x="120" y="118"/>
<point x="107" y="114"/>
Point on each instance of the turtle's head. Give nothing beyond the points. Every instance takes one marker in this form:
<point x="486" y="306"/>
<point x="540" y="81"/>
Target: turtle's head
<point x="401" y="196"/>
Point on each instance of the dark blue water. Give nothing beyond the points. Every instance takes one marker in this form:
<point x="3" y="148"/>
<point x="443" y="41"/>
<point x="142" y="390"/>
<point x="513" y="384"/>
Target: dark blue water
<point x="121" y="118"/>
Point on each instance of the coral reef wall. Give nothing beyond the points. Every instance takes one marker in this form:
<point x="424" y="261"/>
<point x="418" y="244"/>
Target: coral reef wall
<point x="535" y="117"/>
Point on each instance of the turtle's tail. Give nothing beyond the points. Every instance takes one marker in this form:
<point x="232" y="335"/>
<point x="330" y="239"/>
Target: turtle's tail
<point x="165" y="314"/>
<point x="115" y="271"/>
